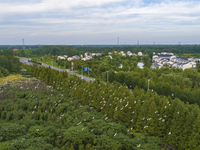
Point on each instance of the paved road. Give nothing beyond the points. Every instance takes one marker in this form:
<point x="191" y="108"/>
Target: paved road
<point x="25" y="60"/>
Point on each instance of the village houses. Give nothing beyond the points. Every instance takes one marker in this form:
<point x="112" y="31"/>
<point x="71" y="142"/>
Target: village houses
<point x="173" y="61"/>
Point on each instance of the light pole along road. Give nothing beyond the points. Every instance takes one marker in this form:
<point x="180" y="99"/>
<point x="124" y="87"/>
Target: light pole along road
<point x="25" y="60"/>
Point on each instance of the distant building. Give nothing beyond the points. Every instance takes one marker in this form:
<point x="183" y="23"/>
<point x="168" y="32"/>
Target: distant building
<point x="122" y="53"/>
<point x="73" y="57"/>
<point x="96" y="54"/>
<point x="69" y="58"/>
<point x="173" y="61"/>
<point x="62" y="57"/>
<point x="140" y="54"/>
<point x="15" y="49"/>
<point x="86" y="54"/>
<point x="76" y="57"/>
<point x="129" y="53"/>
<point x="87" y="58"/>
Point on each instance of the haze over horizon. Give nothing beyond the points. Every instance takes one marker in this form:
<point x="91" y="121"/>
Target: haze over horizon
<point x="86" y="22"/>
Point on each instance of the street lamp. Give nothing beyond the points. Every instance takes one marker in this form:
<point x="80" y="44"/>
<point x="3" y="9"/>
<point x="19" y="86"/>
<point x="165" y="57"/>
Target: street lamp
<point x="148" y="83"/>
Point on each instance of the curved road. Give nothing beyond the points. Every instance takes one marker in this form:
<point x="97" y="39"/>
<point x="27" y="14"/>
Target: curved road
<point x="25" y="60"/>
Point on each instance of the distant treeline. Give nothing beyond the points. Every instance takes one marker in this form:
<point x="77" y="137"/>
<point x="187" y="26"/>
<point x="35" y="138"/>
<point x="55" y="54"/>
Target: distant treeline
<point x="20" y="47"/>
<point x="70" y="51"/>
<point x="77" y="50"/>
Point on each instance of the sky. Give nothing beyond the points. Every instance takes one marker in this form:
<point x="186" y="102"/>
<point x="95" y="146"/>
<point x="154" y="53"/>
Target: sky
<point x="101" y="22"/>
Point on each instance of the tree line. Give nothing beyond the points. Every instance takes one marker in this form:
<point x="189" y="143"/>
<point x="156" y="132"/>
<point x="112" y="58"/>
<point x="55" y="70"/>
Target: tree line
<point x="78" y="50"/>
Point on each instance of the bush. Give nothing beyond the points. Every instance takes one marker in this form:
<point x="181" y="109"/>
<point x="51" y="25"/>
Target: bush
<point x="4" y="71"/>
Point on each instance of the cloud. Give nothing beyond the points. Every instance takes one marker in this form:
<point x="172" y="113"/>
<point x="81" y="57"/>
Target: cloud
<point x="102" y="17"/>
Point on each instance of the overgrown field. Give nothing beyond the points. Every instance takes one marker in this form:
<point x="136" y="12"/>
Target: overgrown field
<point x="35" y="116"/>
<point x="10" y="79"/>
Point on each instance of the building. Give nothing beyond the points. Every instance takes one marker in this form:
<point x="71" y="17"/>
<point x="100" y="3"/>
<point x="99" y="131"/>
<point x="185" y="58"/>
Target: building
<point x="129" y="53"/>
<point x="69" y="58"/>
<point x="122" y="53"/>
<point x="73" y="57"/>
<point x="140" y="54"/>
<point x="87" y="58"/>
<point x="96" y="54"/>
<point x="173" y="61"/>
<point x="62" y="57"/>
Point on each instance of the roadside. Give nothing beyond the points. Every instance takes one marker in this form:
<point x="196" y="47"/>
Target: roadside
<point x="25" y="60"/>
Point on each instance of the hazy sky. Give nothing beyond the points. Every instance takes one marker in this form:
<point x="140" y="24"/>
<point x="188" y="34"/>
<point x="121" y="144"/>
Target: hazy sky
<point x="83" y="22"/>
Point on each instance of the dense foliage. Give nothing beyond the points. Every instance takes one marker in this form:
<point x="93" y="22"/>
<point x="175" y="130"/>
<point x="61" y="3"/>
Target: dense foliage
<point x="174" y="121"/>
<point x="165" y="81"/>
<point x="36" y="116"/>
<point x="9" y="64"/>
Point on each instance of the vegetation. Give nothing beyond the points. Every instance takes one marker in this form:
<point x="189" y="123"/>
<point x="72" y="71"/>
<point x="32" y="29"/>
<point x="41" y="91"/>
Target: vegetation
<point x="120" y="114"/>
<point x="14" y="78"/>
<point x="35" y="116"/>
<point x="144" y="112"/>
<point x="9" y="64"/>
<point x="77" y="50"/>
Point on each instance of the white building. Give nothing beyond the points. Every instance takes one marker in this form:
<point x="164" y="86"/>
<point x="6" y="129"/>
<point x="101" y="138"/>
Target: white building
<point x="140" y="54"/>
<point x="62" y="57"/>
<point x="122" y="53"/>
<point x="129" y="53"/>
<point x="96" y="54"/>
<point x="189" y="65"/>
<point x="169" y="59"/>
<point x="70" y="58"/>
<point x="73" y="57"/>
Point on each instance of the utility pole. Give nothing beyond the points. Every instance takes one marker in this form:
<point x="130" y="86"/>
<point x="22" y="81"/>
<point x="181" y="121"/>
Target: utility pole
<point x="52" y="62"/>
<point x="137" y="43"/>
<point x="88" y="71"/>
<point x="64" y="66"/>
